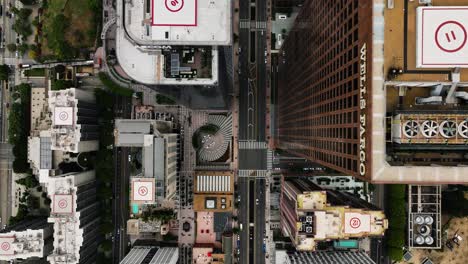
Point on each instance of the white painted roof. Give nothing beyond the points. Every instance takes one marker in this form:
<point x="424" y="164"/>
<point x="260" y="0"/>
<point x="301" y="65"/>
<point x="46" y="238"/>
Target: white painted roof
<point x="197" y="21"/>
<point x="442" y="34"/>
<point x="209" y="183"/>
<point x="63" y="116"/>
<point x="22" y="245"/>
<point x="356" y="223"/>
<point x="143" y="190"/>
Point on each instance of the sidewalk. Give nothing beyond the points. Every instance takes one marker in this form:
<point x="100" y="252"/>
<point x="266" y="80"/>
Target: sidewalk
<point x="235" y="101"/>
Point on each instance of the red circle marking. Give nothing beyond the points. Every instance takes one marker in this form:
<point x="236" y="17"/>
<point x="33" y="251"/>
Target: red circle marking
<point x="5" y="246"/>
<point x="171" y="5"/>
<point x="355" y="222"/>
<point x="143" y="191"/>
<point x="62" y="203"/>
<point x="464" y="37"/>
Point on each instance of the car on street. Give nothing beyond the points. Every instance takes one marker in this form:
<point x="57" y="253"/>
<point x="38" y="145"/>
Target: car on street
<point x="129" y="158"/>
<point x="256" y="201"/>
<point x="282" y="17"/>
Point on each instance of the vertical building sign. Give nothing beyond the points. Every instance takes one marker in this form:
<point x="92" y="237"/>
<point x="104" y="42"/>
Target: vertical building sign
<point x="362" y="106"/>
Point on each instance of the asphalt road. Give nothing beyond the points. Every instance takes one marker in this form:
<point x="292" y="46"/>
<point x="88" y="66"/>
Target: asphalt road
<point x="252" y="125"/>
<point x="121" y="187"/>
<point x="259" y="211"/>
<point x="243" y="185"/>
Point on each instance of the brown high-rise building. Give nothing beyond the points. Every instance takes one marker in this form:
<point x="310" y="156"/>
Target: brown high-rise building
<point x="322" y="83"/>
<point x="377" y="89"/>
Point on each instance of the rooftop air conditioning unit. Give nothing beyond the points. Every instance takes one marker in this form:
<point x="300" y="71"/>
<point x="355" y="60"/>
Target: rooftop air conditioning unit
<point x="429" y="240"/>
<point x="429" y="128"/>
<point x="428" y="220"/>
<point x="463" y="129"/>
<point x="411" y="128"/>
<point x="419" y="240"/>
<point x="419" y="220"/>
<point x="424" y="230"/>
<point x="448" y="129"/>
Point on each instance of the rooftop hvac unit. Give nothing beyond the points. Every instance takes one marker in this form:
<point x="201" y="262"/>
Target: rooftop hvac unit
<point x="419" y="220"/>
<point x="463" y="129"/>
<point x="309" y="219"/>
<point x="419" y="240"/>
<point x="448" y="129"/>
<point x="418" y="128"/>
<point x="424" y="230"/>
<point x="411" y="128"/>
<point x="429" y="128"/>
<point x="428" y="220"/>
<point x="309" y="229"/>
<point x="429" y="240"/>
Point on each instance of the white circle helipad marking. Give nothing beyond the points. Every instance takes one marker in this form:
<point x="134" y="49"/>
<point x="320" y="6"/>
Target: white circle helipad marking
<point x="5" y="246"/>
<point x="63" y="203"/>
<point x="174" y="5"/>
<point x="355" y="222"/>
<point x="143" y="191"/>
<point x="450" y="36"/>
<point x="63" y="116"/>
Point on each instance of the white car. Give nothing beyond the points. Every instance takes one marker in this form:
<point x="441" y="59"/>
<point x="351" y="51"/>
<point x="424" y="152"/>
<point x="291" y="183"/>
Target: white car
<point x="256" y="201"/>
<point x="282" y="16"/>
<point x="129" y="158"/>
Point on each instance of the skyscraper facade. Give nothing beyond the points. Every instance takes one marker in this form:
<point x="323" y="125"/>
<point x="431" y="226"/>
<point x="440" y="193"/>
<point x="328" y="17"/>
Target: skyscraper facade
<point x="323" y="74"/>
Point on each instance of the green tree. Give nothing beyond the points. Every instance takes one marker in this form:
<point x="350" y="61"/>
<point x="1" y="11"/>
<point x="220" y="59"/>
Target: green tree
<point x="28" y="2"/>
<point x="61" y="84"/>
<point x="4" y="71"/>
<point x="106" y="228"/>
<point x="24" y="13"/>
<point x="56" y="38"/>
<point x="11" y="47"/>
<point x="23" y="48"/>
<point x="106" y="245"/>
<point x="395" y="253"/>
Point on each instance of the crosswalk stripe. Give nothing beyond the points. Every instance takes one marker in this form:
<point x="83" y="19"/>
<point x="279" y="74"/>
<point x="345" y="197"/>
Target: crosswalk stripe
<point x="249" y="144"/>
<point x="253" y="173"/>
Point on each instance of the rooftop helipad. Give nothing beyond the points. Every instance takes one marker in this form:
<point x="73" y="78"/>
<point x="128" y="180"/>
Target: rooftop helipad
<point x="442" y="37"/>
<point x="174" y="13"/>
<point x="63" y="116"/>
<point x="142" y="190"/>
<point x="6" y="245"/>
<point x="63" y="204"/>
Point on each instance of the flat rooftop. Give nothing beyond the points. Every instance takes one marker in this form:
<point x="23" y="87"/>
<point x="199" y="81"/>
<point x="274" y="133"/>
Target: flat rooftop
<point x="441" y="36"/>
<point x="142" y="190"/>
<point x="419" y="82"/>
<point x="399" y="53"/>
<point x="179" y="22"/>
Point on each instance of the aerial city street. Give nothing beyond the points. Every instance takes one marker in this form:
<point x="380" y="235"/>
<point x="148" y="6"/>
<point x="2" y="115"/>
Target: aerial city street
<point x="234" y="131"/>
